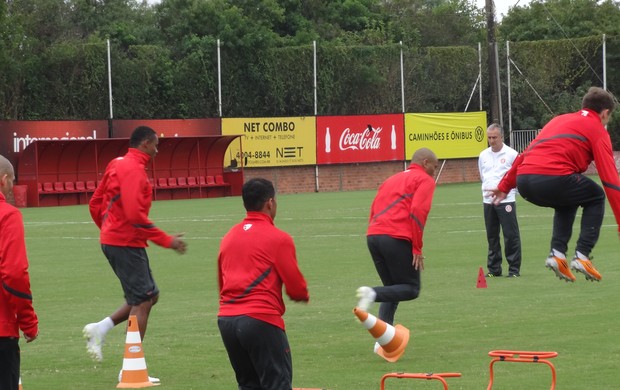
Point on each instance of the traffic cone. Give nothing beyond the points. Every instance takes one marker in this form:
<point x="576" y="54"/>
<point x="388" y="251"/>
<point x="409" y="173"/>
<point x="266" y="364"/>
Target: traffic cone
<point x="392" y="339"/>
<point x="482" y="281"/>
<point x="19" y="385"/>
<point x="134" y="374"/>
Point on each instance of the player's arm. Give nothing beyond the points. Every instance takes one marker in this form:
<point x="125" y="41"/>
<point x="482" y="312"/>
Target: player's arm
<point x="606" y="167"/>
<point x="96" y="202"/>
<point x="287" y="268"/>
<point x="420" y="207"/>
<point x="136" y="204"/>
<point x="14" y="275"/>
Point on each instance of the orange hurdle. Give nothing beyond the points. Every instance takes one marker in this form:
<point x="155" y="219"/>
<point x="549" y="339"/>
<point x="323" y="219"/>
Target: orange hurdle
<point x="522" y="357"/>
<point x="428" y="376"/>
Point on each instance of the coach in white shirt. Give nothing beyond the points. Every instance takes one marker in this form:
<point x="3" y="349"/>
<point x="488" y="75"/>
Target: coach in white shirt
<point x="493" y="164"/>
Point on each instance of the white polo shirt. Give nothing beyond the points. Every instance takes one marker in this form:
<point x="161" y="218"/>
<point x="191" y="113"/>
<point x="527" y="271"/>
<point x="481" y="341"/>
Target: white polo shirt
<point x="492" y="166"/>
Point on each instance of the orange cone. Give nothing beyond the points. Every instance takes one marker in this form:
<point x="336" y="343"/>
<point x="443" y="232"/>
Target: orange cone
<point x="392" y="339"/>
<point x="482" y="281"/>
<point x="134" y="374"/>
<point x="19" y="385"/>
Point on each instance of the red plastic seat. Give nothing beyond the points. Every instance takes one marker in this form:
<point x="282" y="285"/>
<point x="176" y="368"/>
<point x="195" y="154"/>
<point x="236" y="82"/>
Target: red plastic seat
<point x="182" y="181"/>
<point x="210" y="180"/>
<point x="162" y="182"/>
<point x="79" y="186"/>
<point x="69" y="186"/>
<point x="172" y="182"/>
<point x="58" y="186"/>
<point x="191" y="181"/>
<point x="90" y="185"/>
<point x="201" y="181"/>
<point x="219" y="179"/>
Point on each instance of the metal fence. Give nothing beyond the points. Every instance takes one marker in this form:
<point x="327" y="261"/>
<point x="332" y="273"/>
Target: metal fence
<point x="520" y="139"/>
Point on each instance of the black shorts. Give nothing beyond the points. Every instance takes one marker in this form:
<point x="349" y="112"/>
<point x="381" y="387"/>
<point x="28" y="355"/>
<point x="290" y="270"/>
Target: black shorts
<point x="131" y="266"/>
<point x="258" y="352"/>
<point x="9" y="363"/>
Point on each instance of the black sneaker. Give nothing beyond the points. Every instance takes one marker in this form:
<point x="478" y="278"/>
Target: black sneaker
<point x="513" y="276"/>
<point x="492" y="275"/>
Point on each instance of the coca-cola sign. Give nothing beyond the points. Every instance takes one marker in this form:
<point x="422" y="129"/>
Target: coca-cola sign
<point x="364" y="138"/>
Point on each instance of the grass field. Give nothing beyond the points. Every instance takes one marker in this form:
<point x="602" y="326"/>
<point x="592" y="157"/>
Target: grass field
<point x="453" y="324"/>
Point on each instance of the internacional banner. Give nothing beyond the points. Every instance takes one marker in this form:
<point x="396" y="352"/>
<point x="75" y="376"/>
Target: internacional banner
<point x="360" y="138"/>
<point x="16" y="135"/>
<point x="449" y="135"/>
<point x="271" y="142"/>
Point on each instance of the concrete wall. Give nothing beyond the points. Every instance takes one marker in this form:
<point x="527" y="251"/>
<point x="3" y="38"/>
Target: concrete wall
<point x="353" y="177"/>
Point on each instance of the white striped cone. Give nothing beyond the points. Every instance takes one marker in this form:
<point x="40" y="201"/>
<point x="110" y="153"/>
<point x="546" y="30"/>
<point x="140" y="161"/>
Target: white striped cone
<point x="392" y="339"/>
<point x="134" y="374"/>
<point x="19" y="386"/>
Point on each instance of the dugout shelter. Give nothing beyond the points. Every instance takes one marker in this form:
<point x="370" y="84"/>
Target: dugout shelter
<point x="67" y="172"/>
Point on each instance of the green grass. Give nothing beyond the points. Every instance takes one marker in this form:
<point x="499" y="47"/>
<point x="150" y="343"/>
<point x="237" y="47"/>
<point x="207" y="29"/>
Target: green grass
<point x="453" y="324"/>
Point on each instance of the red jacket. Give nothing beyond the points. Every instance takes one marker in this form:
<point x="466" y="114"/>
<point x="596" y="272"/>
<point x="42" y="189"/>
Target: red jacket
<point x="121" y="203"/>
<point x="567" y="145"/>
<point x="255" y="259"/>
<point x="16" y="311"/>
<point x="401" y="206"/>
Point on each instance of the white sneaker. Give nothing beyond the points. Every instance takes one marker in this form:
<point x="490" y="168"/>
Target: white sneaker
<point x="152" y="379"/>
<point x="366" y="297"/>
<point x="94" y="341"/>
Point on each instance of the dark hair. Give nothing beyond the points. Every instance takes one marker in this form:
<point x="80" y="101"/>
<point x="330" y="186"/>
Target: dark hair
<point x="140" y="134"/>
<point x="598" y="99"/>
<point x="256" y="192"/>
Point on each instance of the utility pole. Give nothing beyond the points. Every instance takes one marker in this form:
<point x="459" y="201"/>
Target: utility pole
<point x="493" y="66"/>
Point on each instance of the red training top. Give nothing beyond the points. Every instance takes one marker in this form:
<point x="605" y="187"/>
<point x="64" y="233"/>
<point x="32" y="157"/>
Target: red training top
<point x="121" y="203"/>
<point x="401" y="206"/>
<point x="16" y="311"/>
<point x="567" y="145"/>
<point x="255" y="259"/>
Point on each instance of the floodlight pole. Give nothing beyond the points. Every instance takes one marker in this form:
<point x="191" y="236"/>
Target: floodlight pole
<point x="493" y="66"/>
<point x="111" y="118"/>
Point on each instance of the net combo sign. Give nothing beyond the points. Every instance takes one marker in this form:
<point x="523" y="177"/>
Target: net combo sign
<point x="449" y="135"/>
<point x="272" y="142"/>
<point x="362" y="138"/>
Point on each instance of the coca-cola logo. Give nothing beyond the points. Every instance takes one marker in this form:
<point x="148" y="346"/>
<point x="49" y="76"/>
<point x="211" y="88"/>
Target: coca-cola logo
<point x="367" y="139"/>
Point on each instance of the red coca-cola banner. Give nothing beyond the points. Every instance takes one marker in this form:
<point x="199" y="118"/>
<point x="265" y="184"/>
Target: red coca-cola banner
<point x="123" y="128"/>
<point x="363" y="138"/>
<point x="16" y="135"/>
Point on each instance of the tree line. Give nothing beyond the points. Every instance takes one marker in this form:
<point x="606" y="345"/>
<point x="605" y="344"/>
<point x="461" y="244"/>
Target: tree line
<point x="53" y="56"/>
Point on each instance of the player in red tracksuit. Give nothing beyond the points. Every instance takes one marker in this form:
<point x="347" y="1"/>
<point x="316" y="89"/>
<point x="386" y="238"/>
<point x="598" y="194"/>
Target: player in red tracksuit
<point x="255" y="260"/>
<point x="120" y="208"/>
<point x="397" y="218"/>
<point x="16" y="311"/>
<point x="549" y="173"/>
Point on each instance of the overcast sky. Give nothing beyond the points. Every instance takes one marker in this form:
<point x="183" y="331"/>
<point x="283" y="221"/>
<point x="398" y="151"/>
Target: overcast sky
<point x="501" y="6"/>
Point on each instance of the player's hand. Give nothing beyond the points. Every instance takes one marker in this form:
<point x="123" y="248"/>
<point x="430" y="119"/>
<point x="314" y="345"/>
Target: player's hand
<point x="178" y="244"/>
<point x="29" y="339"/>
<point x="496" y="194"/>
<point x="418" y="262"/>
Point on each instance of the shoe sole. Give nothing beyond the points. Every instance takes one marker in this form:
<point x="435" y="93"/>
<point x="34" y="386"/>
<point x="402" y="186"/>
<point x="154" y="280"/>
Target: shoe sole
<point x="558" y="273"/>
<point x="578" y="267"/>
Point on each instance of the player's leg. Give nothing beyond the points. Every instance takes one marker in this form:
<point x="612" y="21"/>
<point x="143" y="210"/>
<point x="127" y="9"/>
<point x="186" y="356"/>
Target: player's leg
<point x="507" y="214"/>
<point x="494" y="254"/>
<point x="272" y="356"/>
<point x="9" y="362"/>
<point x="231" y="330"/>
<point x="393" y="260"/>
